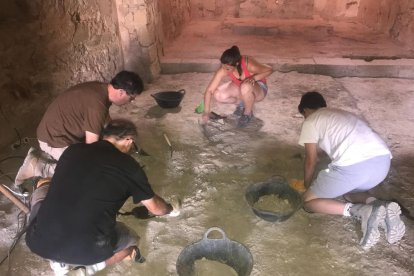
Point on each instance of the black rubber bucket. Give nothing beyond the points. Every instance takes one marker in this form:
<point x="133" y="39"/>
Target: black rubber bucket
<point x="276" y="185"/>
<point x="223" y="250"/>
<point x="169" y="99"/>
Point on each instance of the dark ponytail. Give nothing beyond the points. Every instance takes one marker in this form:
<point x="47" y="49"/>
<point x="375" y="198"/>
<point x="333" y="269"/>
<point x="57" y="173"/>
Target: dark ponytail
<point x="232" y="57"/>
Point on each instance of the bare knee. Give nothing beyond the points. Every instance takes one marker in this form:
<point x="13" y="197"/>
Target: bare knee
<point x="225" y="97"/>
<point x="220" y="96"/>
<point x="121" y="255"/>
<point x="307" y="199"/>
<point x="246" y="89"/>
<point x="307" y="206"/>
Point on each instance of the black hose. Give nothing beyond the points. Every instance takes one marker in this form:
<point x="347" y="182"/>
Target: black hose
<point x="2" y="174"/>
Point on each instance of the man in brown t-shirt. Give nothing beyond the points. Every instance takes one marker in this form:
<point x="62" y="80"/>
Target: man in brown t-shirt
<point x="77" y="116"/>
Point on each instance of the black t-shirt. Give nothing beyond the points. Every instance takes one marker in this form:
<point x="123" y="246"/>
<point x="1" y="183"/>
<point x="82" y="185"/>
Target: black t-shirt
<point x="76" y="221"/>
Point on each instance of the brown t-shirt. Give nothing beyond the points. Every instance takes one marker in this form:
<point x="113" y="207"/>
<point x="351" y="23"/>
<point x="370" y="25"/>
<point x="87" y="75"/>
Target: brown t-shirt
<point x="83" y="107"/>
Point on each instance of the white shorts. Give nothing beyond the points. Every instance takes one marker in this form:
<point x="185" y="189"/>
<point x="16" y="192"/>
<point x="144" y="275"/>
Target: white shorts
<point x="54" y="152"/>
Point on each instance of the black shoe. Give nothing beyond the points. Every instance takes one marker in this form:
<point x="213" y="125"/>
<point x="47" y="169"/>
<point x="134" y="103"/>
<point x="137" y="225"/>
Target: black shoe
<point x="214" y="116"/>
<point x="244" y="120"/>
<point x="138" y="257"/>
<point x="239" y="110"/>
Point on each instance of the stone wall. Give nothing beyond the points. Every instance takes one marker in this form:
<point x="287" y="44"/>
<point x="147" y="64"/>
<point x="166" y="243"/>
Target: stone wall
<point x="48" y="45"/>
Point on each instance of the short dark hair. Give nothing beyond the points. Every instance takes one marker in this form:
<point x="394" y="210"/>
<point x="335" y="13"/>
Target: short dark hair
<point x="119" y="128"/>
<point x="231" y="56"/>
<point x="311" y="100"/>
<point x="128" y="81"/>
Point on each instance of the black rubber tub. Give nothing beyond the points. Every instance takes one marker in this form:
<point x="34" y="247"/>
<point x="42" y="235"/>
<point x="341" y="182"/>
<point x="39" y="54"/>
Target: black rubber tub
<point x="223" y="250"/>
<point x="169" y="99"/>
<point x="276" y="185"/>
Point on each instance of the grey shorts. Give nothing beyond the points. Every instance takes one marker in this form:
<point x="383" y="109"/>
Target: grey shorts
<point x="363" y="176"/>
<point x="126" y="237"/>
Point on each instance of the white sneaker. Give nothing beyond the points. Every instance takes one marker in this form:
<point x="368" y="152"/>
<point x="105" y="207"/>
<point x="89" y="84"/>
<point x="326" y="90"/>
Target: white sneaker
<point x="394" y="227"/>
<point x="371" y="216"/>
<point x="92" y="269"/>
<point x="59" y="269"/>
<point x="78" y="271"/>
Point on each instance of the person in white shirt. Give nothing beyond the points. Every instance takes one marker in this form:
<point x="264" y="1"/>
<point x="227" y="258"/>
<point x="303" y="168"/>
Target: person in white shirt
<point x="360" y="160"/>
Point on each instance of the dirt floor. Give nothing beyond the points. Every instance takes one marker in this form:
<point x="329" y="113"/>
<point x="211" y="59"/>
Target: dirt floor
<point x="211" y="168"/>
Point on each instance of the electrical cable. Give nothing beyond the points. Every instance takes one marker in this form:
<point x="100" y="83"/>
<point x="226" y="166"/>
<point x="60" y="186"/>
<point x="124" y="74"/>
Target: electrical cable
<point x="11" y="157"/>
<point x="21" y="230"/>
<point x="21" y="227"/>
<point x="19" y="137"/>
<point x="6" y="175"/>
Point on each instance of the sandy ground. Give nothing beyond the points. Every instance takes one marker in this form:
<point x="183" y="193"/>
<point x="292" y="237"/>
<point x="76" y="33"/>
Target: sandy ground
<point x="210" y="171"/>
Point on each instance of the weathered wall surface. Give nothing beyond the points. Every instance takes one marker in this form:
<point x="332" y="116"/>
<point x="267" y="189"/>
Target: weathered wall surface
<point x="141" y="36"/>
<point x="284" y="9"/>
<point x="379" y="14"/>
<point x="174" y="13"/>
<point x="48" y="45"/>
<point x="394" y="17"/>
<point x="211" y="9"/>
<point x="279" y="9"/>
<point x="336" y="9"/>
<point x="403" y="27"/>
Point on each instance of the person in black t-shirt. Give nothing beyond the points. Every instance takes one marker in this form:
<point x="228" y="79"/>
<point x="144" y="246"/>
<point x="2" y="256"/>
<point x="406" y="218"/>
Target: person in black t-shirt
<point x="75" y="224"/>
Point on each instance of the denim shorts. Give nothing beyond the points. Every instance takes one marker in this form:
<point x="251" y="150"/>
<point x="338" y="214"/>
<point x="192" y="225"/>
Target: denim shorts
<point x="360" y="177"/>
<point x="263" y="86"/>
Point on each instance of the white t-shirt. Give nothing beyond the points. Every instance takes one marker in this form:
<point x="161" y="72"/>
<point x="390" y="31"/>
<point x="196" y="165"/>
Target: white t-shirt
<point x="343" y="136"/>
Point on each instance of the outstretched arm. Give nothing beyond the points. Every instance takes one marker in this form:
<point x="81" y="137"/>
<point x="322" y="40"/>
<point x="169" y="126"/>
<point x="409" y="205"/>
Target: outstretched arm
<point x="258" y="70"/>
<point x="211" y="88"/>
<point x="311" y="156"/>
<point x="157" y="206"/>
